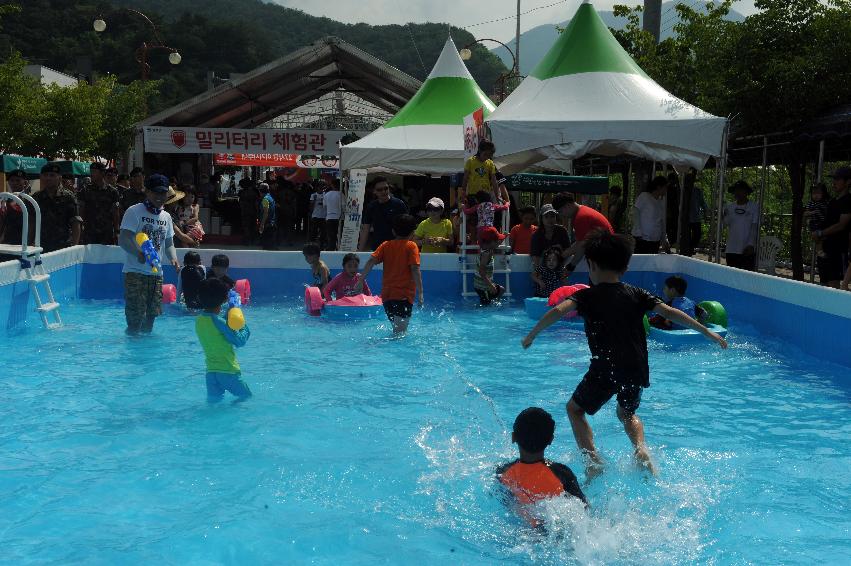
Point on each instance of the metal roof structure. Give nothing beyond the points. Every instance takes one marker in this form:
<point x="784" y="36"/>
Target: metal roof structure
<point x="289" y="83"/>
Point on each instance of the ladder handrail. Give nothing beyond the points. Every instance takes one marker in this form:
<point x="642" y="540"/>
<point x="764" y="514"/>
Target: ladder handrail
<point x="25" y="220"/>
<point x="37" y="209"/>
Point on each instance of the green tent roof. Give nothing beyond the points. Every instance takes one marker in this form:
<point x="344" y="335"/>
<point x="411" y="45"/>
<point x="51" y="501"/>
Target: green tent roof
<point x="448" y="94"/>
<point x="586" y="46"/>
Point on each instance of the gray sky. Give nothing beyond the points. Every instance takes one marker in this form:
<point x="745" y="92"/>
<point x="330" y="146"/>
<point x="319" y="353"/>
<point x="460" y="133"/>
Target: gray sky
<point x="461" y="13"/>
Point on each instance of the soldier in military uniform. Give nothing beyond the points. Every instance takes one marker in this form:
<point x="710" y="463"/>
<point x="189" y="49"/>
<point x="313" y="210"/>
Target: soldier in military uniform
<point x="99" y="208"/>
<point x="136" y="193"/>
<point x="60" y="222"/>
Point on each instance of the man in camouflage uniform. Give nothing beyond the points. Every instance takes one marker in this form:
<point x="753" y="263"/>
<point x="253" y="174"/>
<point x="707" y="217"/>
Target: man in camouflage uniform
<point x="99" y="208"/>
<point x="60" y="222"/>
<point x="136" y="193"/>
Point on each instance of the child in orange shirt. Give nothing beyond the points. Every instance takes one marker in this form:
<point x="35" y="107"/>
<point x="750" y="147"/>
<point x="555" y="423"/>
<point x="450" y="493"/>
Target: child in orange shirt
<point x="402" y="278"/>
<point x="533" y="478"/>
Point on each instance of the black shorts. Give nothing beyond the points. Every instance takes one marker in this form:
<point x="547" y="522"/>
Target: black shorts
<point x="401" y="309"/>
<point x="831" y="267"/>
<point x="595" y="390"/>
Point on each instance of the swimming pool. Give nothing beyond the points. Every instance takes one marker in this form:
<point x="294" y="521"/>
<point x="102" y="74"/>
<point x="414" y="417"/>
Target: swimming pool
<point x="359" y="449"/>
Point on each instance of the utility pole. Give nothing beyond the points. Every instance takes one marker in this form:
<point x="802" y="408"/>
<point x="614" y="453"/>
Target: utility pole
<point x="517" y="43"/>
<point x="653" y="17"/>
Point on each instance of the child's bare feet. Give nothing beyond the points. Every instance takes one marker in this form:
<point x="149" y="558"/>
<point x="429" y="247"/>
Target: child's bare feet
<point x="645" y="461"/>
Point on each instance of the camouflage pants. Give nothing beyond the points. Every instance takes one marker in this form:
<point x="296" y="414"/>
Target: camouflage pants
<point x="143" y="296"/>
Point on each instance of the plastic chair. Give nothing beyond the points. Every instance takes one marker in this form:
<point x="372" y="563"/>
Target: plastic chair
<point x="766" y="259"/>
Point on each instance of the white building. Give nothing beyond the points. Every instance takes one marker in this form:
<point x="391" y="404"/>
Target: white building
<point x="48" y="76"/>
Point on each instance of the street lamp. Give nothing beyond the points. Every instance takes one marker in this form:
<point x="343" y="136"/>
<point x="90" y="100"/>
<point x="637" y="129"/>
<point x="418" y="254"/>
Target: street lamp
<point x="174" y="57"/>
<point x="466" y="54"/>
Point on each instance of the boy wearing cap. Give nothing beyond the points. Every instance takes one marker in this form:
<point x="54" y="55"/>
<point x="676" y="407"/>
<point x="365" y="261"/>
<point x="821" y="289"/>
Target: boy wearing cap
<point x="486" y="289"/>
<point x="835" y="237"/>
<point x="99" y="208"/>
<point x="742" y="219"/>
<point x="435" y="233"/>
<point x="60" y="222"/>
<point x="142" y="286"/>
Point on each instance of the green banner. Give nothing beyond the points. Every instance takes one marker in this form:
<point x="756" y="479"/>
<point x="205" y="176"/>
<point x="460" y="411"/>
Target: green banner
<point x="536" y="183"/>
<point x="31" y="165"/>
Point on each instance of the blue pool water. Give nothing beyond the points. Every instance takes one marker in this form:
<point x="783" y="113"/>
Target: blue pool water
<point x="358" y="449"/>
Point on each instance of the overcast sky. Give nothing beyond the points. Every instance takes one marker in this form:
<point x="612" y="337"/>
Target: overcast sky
<point x="461" y="13"/>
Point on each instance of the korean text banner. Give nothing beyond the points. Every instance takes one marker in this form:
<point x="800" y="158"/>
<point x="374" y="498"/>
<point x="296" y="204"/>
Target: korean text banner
<point x="162" y="139"/>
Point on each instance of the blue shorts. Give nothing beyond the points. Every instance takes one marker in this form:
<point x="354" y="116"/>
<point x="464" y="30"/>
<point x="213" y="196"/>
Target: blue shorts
<point x="218" y="383"/>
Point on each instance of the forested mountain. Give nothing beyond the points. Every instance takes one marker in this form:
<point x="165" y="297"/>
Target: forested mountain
<point x="224" y="36"/>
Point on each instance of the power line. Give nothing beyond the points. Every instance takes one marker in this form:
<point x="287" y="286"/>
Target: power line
<point x="513" y="16"/>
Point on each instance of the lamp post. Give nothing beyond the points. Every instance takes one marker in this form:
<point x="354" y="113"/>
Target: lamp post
<point x="466" y="54"/>
<point x="158" y="44"/>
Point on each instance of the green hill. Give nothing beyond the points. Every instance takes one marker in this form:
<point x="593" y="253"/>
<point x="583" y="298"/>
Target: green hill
<point x="224" y="36"/>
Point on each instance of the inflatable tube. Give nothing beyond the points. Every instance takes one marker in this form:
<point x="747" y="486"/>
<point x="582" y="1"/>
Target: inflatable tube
<point x="562" y="294"/>
<point x="169" y="294"/>
<point x="685" y="336"/>
<point x="243" y="289"/>
<point x="313" y="301"/>
<point x="715" y="313"/>
<point x="358" y="307"/>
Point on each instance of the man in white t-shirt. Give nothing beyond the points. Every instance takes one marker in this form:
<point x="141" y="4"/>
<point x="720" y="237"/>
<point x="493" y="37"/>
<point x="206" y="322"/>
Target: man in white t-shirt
<point x="742" y="219"/>
<point x="143" y="287"/>
<point x="333" y="206"/>
<point x="317" y="214"/>
<point x="648" y="218"/>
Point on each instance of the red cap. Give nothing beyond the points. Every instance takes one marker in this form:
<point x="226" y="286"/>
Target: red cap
<point x="490" y="234"/>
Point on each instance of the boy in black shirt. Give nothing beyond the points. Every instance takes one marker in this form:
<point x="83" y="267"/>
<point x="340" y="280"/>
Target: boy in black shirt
<point x="191" y="276"/>
<point x="613" y="313"/>
<point x="219" y="270"/>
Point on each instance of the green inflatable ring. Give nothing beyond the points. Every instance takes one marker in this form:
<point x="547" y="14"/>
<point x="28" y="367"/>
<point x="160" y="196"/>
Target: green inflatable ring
<point x="646" y="325"/>
<point x="715" y="313"/>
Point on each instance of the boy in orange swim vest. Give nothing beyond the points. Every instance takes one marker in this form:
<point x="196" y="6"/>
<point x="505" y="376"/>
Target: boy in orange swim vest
<point x="532" y="478"/>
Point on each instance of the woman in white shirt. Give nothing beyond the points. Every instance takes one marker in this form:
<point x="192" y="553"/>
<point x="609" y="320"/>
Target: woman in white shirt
<point x="648" y="218"/>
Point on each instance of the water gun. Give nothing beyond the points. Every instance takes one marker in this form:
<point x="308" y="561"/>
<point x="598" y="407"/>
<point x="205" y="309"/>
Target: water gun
<point x="151" y="255"/>
<point x="236" y="320"/>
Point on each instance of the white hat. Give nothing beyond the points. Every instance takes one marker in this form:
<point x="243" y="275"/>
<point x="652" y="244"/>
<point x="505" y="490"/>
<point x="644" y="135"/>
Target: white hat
<point x="435" y="202"/>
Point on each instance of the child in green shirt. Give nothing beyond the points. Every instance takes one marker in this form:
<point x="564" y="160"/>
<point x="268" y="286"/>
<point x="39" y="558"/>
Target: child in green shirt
<point x="218" y="341"/>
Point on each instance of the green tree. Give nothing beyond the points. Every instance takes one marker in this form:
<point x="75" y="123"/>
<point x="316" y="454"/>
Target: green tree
<point x="18" y="106"/>
<point x="125" y="106"/>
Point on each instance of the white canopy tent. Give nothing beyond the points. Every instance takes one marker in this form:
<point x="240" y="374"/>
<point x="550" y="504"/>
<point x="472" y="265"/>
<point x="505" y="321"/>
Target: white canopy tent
<point x="426" y="135"/>
<point x="588" y="96"/>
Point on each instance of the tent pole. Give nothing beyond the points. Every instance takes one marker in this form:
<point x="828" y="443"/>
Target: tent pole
<point x="761" y="197"/>
<point x="720" y="203"/>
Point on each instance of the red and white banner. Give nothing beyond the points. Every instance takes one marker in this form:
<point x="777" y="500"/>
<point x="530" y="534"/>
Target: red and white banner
<point x="161" y="139"/>
<point x="286" y="160"/>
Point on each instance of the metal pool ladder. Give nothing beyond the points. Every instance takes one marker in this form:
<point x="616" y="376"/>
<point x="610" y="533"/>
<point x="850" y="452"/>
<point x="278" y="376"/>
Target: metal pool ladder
<point x="30" y="258"/>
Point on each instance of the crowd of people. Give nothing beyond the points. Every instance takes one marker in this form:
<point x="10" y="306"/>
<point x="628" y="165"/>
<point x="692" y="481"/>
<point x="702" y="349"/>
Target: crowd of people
<point x="275" y="213"/>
